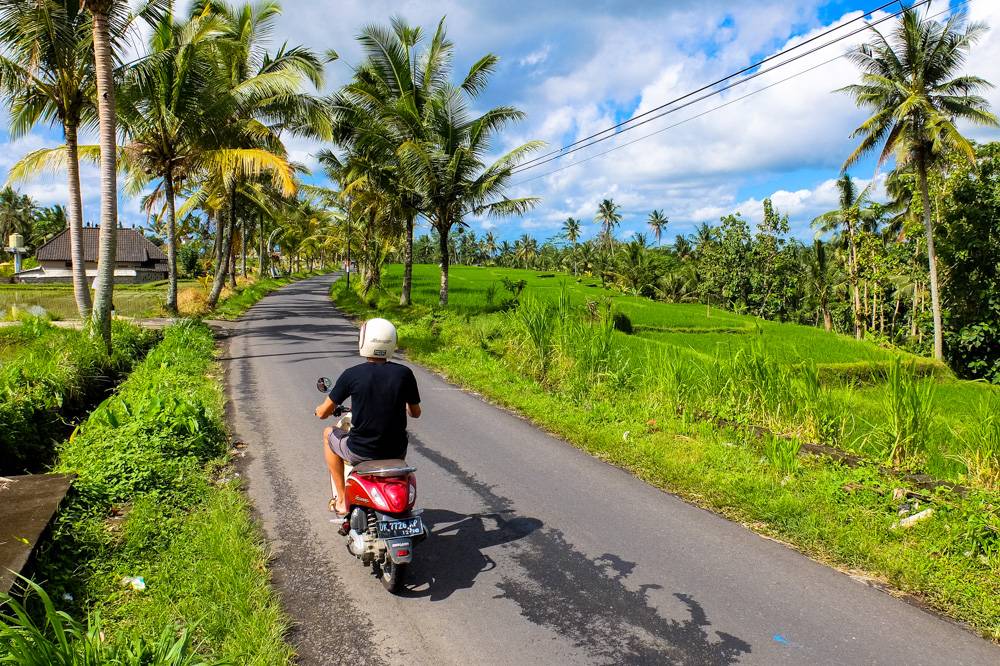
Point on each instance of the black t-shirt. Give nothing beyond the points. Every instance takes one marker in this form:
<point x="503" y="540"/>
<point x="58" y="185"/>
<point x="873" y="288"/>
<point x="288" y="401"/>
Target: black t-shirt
<point x="379" y="394"/>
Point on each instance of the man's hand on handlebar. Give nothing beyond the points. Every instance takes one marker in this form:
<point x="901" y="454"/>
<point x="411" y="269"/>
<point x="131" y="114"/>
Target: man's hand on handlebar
<point x="327" y="408"/>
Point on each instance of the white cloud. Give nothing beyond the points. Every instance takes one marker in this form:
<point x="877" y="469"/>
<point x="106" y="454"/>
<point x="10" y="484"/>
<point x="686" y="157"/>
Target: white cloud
<point x="535" y="57"/>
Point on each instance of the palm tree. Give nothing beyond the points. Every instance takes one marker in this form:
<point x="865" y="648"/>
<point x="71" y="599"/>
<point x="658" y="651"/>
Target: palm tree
<point x="571" y="230"/>
<point x="489" y="245"/>
<point x="682" y="247"/>
<point x="658" y="223"/>
<point x="853" y="212"/>
<point x="447" y="169"/>
<point x="911" y="83"/>
<point x="163" y="109"/>
<point x="610" y="218"/>
<point x="260" y="96"/>
<point x="526" y="250"/>
<point x="16" y="212"/>
<point x="47" y="73"/>
<point x="818" y="272"/>
<point x="385" y="106"/>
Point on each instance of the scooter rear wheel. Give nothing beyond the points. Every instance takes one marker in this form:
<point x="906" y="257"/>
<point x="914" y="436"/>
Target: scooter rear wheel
<point x="392" y="576"/>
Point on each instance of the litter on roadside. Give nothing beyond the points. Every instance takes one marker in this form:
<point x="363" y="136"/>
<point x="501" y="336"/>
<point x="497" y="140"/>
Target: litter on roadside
<point x="910" y="521"/>
<point x="137" y="583"/>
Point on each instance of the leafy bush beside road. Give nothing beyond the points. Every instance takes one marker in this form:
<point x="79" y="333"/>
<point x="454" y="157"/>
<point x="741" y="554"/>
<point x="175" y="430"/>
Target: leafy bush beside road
<point x="153" y="500"/>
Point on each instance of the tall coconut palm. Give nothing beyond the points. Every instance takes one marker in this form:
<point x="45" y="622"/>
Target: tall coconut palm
<point x="818" y="272"/>
<point x="658" y="222"/>
<point x="489" y="245"/>
<point x="910" y="81"/>
<point x="609" y="216"/>
<point x="261" y="96"/>
<point x="162" y="109"/>
<point x="47" y="74"/>
<point x="385" y="105"/>
<point x="446" y="167"/>
<point x="108" y="17"/>
<point x="571" y="230"/>
<point x="853" y="213"/>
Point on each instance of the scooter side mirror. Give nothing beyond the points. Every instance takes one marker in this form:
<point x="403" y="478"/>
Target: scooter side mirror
<point x="323" y="385"/>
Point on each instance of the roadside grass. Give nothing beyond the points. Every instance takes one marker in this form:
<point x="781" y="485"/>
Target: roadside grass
<point x="49" y="377"/>
<point x="691" y="423"/>
<point x="155" y="498"/>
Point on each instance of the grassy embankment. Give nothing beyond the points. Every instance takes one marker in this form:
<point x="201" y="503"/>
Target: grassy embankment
<point x="652" y="402"/>
<point x="49" y="377"/>
<point x="155" y="498"/>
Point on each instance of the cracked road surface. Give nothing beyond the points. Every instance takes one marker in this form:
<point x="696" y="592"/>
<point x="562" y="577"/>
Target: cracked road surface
<point x="540" y="553"/>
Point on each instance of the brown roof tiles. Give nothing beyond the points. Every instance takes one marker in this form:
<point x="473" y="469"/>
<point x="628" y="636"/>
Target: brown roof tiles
<point x="132" y="247"/>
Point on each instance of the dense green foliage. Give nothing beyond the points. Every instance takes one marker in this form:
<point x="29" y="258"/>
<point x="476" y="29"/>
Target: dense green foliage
<point x="725" y="429"/>
<point x="48" y="376"/>
<point x="151" y="500"/>
<point x="61" y="639"/>
<point x="970" y="248"/>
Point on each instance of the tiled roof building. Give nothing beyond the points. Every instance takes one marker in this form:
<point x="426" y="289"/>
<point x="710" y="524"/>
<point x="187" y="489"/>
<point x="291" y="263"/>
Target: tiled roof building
<point x="137" y="259"/>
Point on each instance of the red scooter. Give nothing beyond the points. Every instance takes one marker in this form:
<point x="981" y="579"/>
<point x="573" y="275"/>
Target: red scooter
<point x="381" y="525"/>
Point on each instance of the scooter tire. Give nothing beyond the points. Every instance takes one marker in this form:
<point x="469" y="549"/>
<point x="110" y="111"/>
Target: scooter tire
<point x="392" y="576"/>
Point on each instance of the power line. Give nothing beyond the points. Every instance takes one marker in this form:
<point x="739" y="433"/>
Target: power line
<point x="681" y="122"/>
<point x="718" y="81"/>
<point x="574" y="147"/>
<point x="710" y="110"/>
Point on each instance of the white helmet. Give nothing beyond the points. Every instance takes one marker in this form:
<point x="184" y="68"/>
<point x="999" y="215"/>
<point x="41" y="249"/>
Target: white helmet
<point x="377" y="339"/>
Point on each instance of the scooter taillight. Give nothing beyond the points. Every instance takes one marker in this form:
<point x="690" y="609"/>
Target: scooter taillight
<point x="397" y="495"/>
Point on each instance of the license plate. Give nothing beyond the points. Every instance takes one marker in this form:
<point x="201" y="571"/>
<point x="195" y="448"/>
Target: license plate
<point x="408" y="527"/>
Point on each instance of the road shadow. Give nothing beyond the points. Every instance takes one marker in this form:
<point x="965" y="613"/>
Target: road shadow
<point x="586" y="600"/>
<point x="454" y="555"/>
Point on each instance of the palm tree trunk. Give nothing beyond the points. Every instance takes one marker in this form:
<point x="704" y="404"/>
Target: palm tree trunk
<point x="859" y="326"/>
<point x="262" y="242"/>
<point x="243" y="246"/>
<point x="404" y="296"/>
<point x="81" y="289"/>
<point x="222" y="262"/>
<point x="168" y="185"/>
<point x="931" y="260"/>
<point x="443" y="247"/>
<point x="104" y="284"/>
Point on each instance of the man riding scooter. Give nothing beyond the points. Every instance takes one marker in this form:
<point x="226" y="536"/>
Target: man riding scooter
<point x="382" y="394"/>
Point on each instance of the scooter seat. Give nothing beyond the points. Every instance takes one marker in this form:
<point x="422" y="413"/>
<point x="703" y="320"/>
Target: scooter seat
<point x="390" y="467"/>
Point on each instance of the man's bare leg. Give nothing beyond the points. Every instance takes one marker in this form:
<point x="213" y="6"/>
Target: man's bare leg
<point x="336" y="466"/>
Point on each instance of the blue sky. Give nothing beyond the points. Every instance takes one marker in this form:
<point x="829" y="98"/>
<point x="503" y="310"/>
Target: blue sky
<point x="576" y="67"/>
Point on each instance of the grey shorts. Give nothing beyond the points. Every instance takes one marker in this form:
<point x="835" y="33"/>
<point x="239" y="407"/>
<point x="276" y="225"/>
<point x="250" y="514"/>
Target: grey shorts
<point x="337" y="441"/>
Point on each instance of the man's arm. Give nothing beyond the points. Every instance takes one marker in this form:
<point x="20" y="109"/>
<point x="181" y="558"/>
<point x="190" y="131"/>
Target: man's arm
<point x="326" y="408"/>
<point x="413" y="410"/>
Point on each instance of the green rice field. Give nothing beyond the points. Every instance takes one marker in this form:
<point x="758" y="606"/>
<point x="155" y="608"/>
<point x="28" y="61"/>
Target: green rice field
<point x="748" y="369"/>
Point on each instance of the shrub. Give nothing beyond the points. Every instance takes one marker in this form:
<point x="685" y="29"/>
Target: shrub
<point x="908" y="407"/>
<point x="192" y="302"/>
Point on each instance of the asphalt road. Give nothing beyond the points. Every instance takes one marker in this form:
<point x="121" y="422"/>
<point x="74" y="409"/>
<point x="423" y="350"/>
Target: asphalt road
<point x="540" y="553"/>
